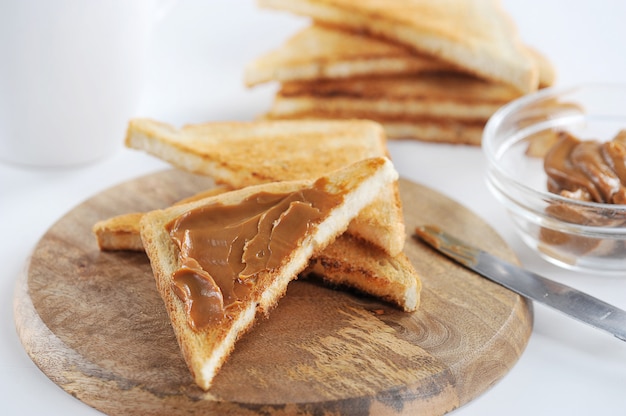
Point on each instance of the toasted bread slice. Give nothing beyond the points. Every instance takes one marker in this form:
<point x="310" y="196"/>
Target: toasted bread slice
<point x="347" y="261"/>
<point x="547" y="71"/>
<point x="433" y="95"/>
<point x="362" y="266"/>
<point x="436" y="131"/>
<point x="441" y="130"/>
<point x="476" y="35"/>
<point x="121" y="232"/>
<point x="436" y="107"/>
<point x="206" y="343"/>
<point x="241" y="154"/>
<point x="319" y="52"/>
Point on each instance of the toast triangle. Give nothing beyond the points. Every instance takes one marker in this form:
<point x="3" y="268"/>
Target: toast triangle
<point x="435" y="130"/>
<point x="241" y="154"/>
<point x="366" y="268"/>
<point x="434" y="95"/>
<point x="206" y="347"/>
<point x="476" y="35"/>
<point x="436" y="107"/>
<point x="320" y="52"/>
<point x="346" y="262"/>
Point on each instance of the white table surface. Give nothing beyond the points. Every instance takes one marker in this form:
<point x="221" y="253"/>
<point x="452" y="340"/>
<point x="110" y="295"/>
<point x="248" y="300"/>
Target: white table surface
<point x="195" y="75"/>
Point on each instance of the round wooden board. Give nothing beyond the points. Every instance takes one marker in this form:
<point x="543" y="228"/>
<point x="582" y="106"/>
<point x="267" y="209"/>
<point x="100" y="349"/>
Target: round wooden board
<point x="96" y="326"/>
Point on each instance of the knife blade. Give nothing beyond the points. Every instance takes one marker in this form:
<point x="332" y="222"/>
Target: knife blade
<point x="568" y="300"/>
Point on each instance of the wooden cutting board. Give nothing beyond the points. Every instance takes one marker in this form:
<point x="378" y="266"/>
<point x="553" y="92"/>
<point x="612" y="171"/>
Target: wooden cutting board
<point x="96" y="326"/>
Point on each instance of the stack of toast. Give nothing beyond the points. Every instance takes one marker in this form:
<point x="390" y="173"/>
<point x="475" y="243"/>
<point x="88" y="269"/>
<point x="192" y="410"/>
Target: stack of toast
<point x="357" y="242"/>
<point x="431" y="70"/>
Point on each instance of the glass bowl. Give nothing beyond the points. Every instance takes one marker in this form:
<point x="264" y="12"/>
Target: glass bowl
<point x="575" y="234"/>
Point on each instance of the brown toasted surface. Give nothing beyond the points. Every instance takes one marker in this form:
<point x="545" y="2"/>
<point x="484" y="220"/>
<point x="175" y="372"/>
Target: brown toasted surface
<point x="231" y="150"/>
<point x="205" y="351"/>
<point x="419" y="97"/>
<point x="362" y="266"/>
<point x="438" y="107"/>
<point x="321" y="52"/>
<point x="246" y="153"/>
<point x="441" y="130"/>
<point x="439" y="85"/>
<point x="119" y="233"/>
<point x="476" y="35"/>
<point x="347" y="261"/>
<point x="122" y="231"/>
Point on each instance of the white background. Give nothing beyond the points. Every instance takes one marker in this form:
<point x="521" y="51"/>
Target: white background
<point x="195" y="75"/>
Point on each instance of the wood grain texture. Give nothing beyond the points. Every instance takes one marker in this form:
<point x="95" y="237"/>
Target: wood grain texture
<point x="96" y="326"/>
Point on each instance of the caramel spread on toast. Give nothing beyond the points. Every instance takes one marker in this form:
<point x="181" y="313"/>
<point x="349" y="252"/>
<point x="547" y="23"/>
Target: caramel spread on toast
<point x="223" y="247"/>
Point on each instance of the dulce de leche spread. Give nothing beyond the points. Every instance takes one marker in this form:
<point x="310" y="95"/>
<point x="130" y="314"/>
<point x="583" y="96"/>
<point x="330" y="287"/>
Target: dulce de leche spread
<point x="585" y="170"/>
<point x="588" y="170"/>
<point x="223" y="247"/>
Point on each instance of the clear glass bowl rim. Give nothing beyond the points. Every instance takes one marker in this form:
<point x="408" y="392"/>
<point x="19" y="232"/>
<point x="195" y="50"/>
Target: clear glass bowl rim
<point x="509" y="110"/>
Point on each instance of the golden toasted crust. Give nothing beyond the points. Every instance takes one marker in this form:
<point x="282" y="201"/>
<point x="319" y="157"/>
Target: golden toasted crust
<point x="359" y="265"/>
<point x="441" y="130"/>
<point x="246" y="153"/>
<point x="426" y="96"/>
<point x="122" y="231"/>
<point x="438" y="85"/>
<point x="119" y="233"/>
<point x="346" y="263"/>
<point x="436" y="107"/>
<point x="320" y="52"/>
<point x="438" y="130"/>
<point x="230" y="151"/>
<point x="205" y="351"/>
<point x="476" y="35"/>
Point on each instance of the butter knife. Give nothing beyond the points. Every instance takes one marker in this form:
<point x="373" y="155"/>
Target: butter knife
<point x="570" y="301"/>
